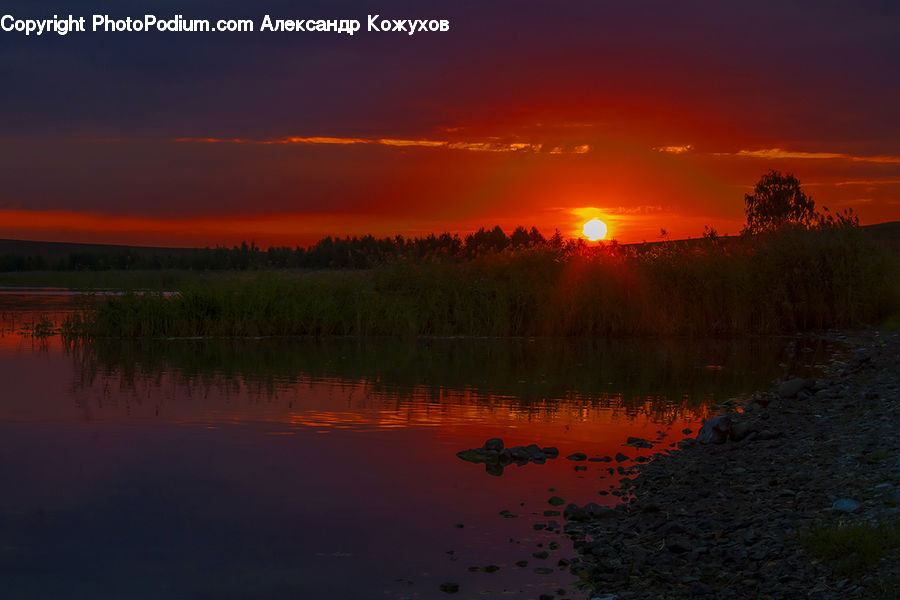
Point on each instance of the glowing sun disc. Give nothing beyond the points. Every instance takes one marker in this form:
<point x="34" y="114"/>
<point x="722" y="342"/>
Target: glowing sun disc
<point x="594" y="230"/>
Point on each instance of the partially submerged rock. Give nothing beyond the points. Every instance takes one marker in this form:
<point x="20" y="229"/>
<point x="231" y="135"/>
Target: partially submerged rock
<point x="636" y="442"/>
<point x="495" y="457"/>
<point x="715" y="431"/>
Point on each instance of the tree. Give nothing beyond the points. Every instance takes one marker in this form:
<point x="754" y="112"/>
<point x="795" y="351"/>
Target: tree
<point x="777" y="201"/>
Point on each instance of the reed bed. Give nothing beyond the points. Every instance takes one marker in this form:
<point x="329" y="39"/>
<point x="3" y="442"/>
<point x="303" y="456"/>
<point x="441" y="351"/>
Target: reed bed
<point x="785" y="282"/>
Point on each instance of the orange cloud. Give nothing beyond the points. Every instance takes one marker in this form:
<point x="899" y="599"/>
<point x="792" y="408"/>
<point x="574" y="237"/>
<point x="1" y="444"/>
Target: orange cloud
<point x="472" y="146"/>
<point x="779" y="153"/>
<point x="675" y="149"/>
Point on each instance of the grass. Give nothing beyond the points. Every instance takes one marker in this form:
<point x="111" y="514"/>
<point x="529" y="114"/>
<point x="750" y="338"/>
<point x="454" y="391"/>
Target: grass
<point x="793" y="281"/>
<point x="853" y="549"/>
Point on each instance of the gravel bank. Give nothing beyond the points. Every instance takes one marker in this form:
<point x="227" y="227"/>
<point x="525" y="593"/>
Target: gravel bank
<point x="724" y="519"/>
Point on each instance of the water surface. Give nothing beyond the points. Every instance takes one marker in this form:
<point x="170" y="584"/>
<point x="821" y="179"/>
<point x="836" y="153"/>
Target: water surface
<point x="323" y="468"/>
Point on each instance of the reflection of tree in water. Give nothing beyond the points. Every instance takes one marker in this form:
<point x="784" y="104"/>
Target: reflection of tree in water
<point x="528" y="380"/>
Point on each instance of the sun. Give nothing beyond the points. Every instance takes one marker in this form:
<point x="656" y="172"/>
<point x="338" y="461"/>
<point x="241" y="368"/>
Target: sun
<point x="594" y="230"/>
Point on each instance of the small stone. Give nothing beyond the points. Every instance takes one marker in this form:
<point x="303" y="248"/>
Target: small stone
<point x="574" y="513"/>
<point x="533" y="450"/>
<point x="621" y="457"/>
<point x="449" y="587"/>
<point x="790" y="388"/>
<point x="636" y="442"/>
<point x="493" y="444"/>
<point x="846" y="505"/>
<point x="862" y="356"/>
<point x="556" y="501"/>
<point x="577" y="456"/>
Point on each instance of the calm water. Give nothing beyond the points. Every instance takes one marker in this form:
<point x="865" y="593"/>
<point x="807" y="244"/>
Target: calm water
<point x="298" y="468"/>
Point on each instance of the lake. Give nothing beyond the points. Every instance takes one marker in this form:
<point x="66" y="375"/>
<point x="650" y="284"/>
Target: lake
<point x="296" y="467"/>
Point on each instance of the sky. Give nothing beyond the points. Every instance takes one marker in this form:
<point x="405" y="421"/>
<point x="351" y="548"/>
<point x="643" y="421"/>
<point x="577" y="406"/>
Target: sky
<point x="646" y="114"/>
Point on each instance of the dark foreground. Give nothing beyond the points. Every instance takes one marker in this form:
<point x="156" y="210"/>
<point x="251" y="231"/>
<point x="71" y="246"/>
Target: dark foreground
<point x="751" y="518"/>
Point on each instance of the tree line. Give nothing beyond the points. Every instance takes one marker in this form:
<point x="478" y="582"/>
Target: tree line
<point x="329" y="253"/>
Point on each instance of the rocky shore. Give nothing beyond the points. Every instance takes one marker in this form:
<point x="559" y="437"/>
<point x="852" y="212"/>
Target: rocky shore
<point x="728" y="514"/>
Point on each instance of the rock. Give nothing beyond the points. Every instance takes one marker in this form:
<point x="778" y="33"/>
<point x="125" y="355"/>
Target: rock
<point x="575" y="513"/>
<point x="533" y="450"/>
<point x="687" y="431"/>
<point x="556" y="501"/>
<point x="846" y="505"/>
<point x="476" y="455"/>
<point x="741" y="429"/>
<point x="596" y="511"/>
<point x="715" y="431"/>
<point x="449" y="587"/>
<point x="541" y="554"/>
<point x="678" y="545"/>
<point x="790" y="388"/>
<point x="550" y="451"/>
<point x="577" y="456"/>
<point x="621" y="457"/>
<point x="519" y="453"/>
<point x="862" y="355"/>
<point x="636" y="442"/>
<point x="543" y="570"/>
<point x="493" y="444"/>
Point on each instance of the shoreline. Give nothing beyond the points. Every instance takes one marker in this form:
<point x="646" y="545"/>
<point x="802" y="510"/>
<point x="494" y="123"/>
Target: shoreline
<point x="728" y="518"/>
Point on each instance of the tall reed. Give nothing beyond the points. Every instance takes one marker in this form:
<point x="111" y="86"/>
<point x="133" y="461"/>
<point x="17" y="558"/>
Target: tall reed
<point x="785" y="282"/>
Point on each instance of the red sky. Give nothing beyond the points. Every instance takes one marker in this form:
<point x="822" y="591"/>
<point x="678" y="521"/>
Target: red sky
<point x="646" y="117"/>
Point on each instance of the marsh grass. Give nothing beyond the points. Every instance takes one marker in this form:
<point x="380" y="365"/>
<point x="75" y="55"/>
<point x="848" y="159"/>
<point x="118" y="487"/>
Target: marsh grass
<point x="787" y="282"/>
<point x="853" y="549"/>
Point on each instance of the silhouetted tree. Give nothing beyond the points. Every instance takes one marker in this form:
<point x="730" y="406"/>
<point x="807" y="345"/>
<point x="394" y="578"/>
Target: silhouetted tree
<point x="777" y="201"/>
<point x="519" y="237"/>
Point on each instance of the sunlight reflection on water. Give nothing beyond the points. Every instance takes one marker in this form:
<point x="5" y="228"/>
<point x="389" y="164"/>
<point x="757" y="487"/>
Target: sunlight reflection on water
<point x="218" y="466"/>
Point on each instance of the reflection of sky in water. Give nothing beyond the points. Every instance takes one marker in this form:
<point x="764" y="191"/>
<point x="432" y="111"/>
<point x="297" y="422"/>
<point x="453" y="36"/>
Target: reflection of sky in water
<point x="321" y="469"/>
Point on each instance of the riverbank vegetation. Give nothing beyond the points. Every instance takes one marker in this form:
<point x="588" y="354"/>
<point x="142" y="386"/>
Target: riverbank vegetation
<point x="853" y="549"/>
<point x="784" y="281"/>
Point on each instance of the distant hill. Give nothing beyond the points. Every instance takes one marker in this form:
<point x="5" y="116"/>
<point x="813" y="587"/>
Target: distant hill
<point x="55" y="250"/>
<point x="887" y="234"/>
